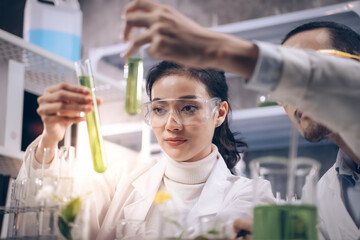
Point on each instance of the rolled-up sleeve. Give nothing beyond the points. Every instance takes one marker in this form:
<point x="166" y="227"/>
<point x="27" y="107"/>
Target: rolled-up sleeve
<point x="268" y="68"/>
<point x="327" y="88"/>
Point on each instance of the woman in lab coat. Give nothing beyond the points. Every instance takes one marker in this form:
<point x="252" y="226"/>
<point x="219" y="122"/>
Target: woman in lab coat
<point x="188" y="113"/>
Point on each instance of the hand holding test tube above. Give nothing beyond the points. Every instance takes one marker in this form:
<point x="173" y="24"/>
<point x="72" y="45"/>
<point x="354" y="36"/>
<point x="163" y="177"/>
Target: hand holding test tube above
<point x="174" y="37"/>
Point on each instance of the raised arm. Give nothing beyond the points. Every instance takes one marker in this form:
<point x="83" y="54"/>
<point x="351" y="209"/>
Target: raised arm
<point x="60" y="106"/>
<point x="174" y="37"/>
<point x="290" y="74"/>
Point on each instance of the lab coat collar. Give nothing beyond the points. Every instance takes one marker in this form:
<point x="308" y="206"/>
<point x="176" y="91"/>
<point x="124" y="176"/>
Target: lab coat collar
<point x="346" y="167"/>
<point x="153" y="177"/>
<point x="333" y="184"/>
<point x="209" y="203"/>
<point x="212" y="195"/>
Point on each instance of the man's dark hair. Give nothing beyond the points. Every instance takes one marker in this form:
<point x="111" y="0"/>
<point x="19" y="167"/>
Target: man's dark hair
<point x="343" y="38"/>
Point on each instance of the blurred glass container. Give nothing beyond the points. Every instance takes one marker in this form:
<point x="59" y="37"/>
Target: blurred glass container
<point x="55" y="25"/>
<point x="292" y="216"/>
<point x="67" y="170"/>
<point x="32" y="211"/>
<point x="130" y="229"/>
<point x="212" y="227"/>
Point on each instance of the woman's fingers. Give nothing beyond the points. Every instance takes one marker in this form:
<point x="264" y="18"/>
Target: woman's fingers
<point x="63" y="109"/>
<point x="64" y="120"/>
<point x="66" y="100"/>
<point x="65" y="96"/>
<point x="99" y="100"/>
<point x="68" y="87"/>
<point x="60" y="106"/>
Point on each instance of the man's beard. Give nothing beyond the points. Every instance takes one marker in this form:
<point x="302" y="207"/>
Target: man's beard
<point x="315" y="132"/>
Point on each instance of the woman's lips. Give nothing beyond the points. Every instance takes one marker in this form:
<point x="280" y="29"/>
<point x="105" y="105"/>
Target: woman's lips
<point x="175" y="141"/>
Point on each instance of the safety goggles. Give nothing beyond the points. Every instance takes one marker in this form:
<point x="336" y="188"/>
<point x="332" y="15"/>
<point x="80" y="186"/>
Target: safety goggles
<point x="338" y="53"/>
<point x="193" y="111"/>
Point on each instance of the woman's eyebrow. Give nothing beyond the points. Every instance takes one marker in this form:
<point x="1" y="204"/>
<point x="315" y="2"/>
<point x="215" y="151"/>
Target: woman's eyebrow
<point x="182" y="97"/>
<point x="188" y="97"/>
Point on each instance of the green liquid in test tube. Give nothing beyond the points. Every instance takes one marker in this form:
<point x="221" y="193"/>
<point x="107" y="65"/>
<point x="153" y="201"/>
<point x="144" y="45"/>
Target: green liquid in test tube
<point x="83" y="70"/>
<point x="133" y="71"/>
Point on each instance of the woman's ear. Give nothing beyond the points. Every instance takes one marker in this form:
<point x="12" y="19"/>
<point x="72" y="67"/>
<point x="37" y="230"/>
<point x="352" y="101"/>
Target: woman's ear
<point x="222" y="112"/>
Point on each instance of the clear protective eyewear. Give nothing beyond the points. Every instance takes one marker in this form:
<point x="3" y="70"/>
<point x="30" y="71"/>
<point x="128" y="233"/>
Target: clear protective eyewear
<point x="185" y="111"/>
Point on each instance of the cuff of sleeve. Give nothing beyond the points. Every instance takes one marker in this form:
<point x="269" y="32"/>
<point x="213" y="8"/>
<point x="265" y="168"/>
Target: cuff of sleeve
<point x="35" y="164"/>
<point x="268" y="68"/>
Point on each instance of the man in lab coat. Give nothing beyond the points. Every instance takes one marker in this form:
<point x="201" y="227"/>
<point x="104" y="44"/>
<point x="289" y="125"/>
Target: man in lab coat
<point x="326" y="88"/>
<point x="339" y="188"/>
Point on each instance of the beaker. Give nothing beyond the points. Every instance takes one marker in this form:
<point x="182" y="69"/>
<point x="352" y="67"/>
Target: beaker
<point x="33" y="208"/>
<point x="292" y="216"/>
<point x="86" y="78"/>
<point x="66" y="172"/>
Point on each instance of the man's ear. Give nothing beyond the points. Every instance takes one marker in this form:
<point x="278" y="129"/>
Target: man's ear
<point x="222" y="112"/>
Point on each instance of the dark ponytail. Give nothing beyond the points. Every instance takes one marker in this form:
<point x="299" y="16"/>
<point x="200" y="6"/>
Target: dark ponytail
<point x="215" y="82"/>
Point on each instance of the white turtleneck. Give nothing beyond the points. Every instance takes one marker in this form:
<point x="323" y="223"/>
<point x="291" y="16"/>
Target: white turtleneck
<point x="190" y="173"/>
<point x="184" y="181"/>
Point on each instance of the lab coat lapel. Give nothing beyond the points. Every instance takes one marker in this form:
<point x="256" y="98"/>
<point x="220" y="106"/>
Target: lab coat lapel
<point x="212" y="195"/>
<point x="348" y="226"/>
<point x="338" y="212"/>
<point x="145" y="188"/>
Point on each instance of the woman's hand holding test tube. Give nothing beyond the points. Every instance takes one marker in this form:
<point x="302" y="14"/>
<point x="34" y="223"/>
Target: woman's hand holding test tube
<point x="60" y="106"/>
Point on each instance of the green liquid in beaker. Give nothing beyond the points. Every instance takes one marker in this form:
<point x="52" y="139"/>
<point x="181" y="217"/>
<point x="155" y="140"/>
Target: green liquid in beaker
<point x="286" y="221"/>
<point x="134" y="71"/>
<point x="93" y="126"/>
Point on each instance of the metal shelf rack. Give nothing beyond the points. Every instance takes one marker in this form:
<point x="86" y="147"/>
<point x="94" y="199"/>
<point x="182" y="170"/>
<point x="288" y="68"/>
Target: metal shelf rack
<point x="25" y="66"/>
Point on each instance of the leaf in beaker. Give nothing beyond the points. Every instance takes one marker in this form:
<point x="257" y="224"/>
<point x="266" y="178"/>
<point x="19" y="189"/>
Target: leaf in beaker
<point x="64" y="228"/>
<point x="71" y="210"/>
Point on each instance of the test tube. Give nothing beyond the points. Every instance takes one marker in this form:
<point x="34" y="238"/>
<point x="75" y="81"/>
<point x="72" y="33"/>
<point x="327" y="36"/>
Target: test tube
<point x="86" y="78"/>
<point x="133" y="72"/>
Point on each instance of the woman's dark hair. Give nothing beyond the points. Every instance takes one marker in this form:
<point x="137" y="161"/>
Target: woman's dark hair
<point x="342" y="37"/>
<point x="215" y="82"/>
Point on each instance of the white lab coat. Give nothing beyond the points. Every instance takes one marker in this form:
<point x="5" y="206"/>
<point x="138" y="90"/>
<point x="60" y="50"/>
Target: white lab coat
<point x="334" y="219"/>
<point x="224" y="195"/>
<point x="327" y="88"/>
